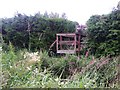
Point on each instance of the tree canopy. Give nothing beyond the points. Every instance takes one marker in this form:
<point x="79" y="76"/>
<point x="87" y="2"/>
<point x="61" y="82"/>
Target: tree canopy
<point x="43" y="28"/>
<point x="104" y="33"/>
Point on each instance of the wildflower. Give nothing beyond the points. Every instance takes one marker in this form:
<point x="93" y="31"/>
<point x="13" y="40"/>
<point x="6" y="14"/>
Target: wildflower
<point x="62" y="83"/>
<point x="56" y="79"/>
<point x="10" y="66"/>
<point x="85" y="85"/>
<point x="28" y="68"/>
<point x="32" y="58"/>
<point x="36" y="70"/>
<point x="0" y="48"/>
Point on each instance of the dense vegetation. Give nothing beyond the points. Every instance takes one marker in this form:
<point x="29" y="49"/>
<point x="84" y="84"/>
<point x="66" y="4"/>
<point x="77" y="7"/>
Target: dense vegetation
<point x="38" y="32"/>
<point x="104" y="34"/>
<point x="22" y="69"/>
<point x="35" y="32"/>
<point x="25" y="61"/>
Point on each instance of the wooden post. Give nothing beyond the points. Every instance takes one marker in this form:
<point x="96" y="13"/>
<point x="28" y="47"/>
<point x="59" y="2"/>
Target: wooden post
<point x="75" y="41"/>
<point x="60" y="43"/>
<point x="57" y="42"/>
<point x="79" y="43"/>
<point x="29" y="36"/>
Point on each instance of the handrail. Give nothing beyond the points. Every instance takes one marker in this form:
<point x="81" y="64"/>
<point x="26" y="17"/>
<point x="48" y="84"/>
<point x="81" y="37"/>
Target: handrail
<point x="52" y="44"/>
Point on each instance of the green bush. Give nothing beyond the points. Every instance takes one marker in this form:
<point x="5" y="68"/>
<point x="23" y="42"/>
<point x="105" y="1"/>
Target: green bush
<point x="104" y="34"/>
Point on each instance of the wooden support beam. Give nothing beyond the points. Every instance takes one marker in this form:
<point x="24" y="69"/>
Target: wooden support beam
<point x="66" y="34"/>
<point x="75" y="41"/>
<point x="66" y="42"/>
<point x="60" y="41"/>
<point x="66" y="51"/>
<point x="57" y="43"/>
<point x="79" y="44"/>
<point x="53" y="44"/>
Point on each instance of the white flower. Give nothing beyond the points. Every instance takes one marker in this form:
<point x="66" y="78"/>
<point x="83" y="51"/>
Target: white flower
<point x="36" y="70"/>
<point x="10" y="66"/>
<point x="32" y="58"/>
<point x="56" y="79"/>
<point x="62" y="83"/>
<point x="36" y="53"/>
<point x="0" y="48"/>
<point x="28" y="68"/>
<point x="85" y="85"/>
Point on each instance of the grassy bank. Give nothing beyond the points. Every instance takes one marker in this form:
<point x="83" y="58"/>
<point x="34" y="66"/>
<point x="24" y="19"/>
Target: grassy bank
<point x="27" y="69"/>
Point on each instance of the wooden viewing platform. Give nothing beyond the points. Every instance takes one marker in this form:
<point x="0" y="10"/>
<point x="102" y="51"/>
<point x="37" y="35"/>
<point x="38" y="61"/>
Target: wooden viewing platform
<point x="69" y="43"/>
<point x="73" y="43"/>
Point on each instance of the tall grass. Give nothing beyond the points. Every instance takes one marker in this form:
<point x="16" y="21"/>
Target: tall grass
<point x="27" y="69"/>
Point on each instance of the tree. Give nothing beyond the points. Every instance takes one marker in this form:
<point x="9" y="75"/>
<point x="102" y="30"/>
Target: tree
<point x="64" y="16"/>
<point x="118" y="6"/>
<point x="43" y="29"/>
<point x="103" y="34"/>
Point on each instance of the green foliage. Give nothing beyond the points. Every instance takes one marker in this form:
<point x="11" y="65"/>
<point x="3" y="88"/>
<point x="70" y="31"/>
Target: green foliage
<point x="9" y="57"/>
<point x="64" y="66"/>
<point x="43" y="29"/>
<point x="104" y="34"/>
<point x="57" y="72"/>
